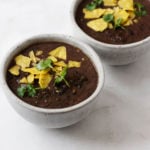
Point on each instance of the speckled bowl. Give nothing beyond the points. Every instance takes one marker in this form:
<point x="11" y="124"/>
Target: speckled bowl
<point x="52" y="118"/>
<point x="110" y="53"/>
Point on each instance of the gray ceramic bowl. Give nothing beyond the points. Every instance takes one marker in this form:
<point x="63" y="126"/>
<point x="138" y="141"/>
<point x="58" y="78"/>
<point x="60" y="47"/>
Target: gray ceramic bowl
<point x="111" y="54"/>
<point x="53" y="118"/>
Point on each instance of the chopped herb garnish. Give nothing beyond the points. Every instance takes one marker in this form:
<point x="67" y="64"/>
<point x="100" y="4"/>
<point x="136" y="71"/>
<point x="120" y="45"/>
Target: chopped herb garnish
<point x="61" y="77"/>
<point x="44" y="64"/>
<point x="26" y="89"/>
<point x="31" y="90"/>
<point x="118" y="23"/>
<point x="140" y="11"/>
<point x="42" y="71"/>
<point x="108" y="17"/>
<point x="21" y="91"/>
<point x="98" y="2"/>
<point x="91" y="6"/>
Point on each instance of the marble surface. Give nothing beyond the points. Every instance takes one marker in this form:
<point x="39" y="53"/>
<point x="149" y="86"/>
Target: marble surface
<point x="121" y="119"/>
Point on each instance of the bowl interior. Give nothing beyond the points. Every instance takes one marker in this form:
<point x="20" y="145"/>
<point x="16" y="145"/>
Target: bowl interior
<point x="74" y="7"/>
<point x="57" y="38"/>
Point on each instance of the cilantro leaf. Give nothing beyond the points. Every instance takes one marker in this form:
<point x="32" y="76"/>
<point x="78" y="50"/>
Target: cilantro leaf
<point x="44" y="64"/>
<point x="61" y="77"/>
<point x="21" y="91"/>
<point x="91" y="6"/>
<point x="140" y="10"/>
<point x="31" y="90"/>
<point x="118" y="23"/>
<point x="108" y="17"/>
<point x="26" y="89"/>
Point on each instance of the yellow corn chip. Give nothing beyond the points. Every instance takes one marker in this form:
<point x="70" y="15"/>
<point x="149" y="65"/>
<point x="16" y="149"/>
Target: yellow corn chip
<point x="23" y="80"/>
<point x="58" y="69"/>
<point x="32" y="56"/>
<point x="30" y="78"/>
<point x="38" y="59"/>
<point x="110" y="2"/>
<point x="60" y="64"/>
<point x="131" y="14"/>
<point x="108" y="11"/>
<point x="116" y="9"/>
<point x="128" y="22"/>
<point x="44" y="80"/>
<point x="35" y="71"/>
<point x="97" y="25"/>
<point x="110" y="26"/>
<point x="54" y="59"/>
<point x="74" y="64"/>
<point x="122" y="14"/>
<point x="23" y="61"/>
<point x="45" y="71"/>
<point x="96" y="13"/>
<point x="14" y="70"/>
<point x="59" y="52"/>
<point x="135" y="21"/>
<point x="32" y="70"/>
<point x="38" y="53"/>
<point x="126" y="4"/>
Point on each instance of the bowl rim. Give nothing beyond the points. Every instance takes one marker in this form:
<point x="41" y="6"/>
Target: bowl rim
<point x="60" y="38"/>
<point x="74" y="6"/>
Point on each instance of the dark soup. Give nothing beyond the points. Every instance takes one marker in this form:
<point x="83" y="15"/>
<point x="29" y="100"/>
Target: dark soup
<point x="114" y="21"/>
<point x="52" y="75"/>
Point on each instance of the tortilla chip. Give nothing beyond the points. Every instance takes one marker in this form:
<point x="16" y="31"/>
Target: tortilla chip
<point x="32" y="70"/>
<point x="30" y="78"/>
<point x="14" y="70"/>
<point x="72" y="64"/>
<point x="44" y="80"/>
<point x="23" y="80"/>
<point x="23" y="61"/>
<point x="32" y="56"/>
<point x="59" y="52"/>
<point x="54" y="59"/>
<point x="39" y="52"/>
<point x="60" y="64"/>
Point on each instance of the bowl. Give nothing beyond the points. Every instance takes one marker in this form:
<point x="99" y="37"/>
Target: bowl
<point x="111" y="54"/>
<point x="60" y="117"/>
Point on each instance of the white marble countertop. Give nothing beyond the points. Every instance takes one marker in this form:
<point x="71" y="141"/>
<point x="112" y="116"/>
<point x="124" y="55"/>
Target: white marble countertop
<point x="120" y="121"/>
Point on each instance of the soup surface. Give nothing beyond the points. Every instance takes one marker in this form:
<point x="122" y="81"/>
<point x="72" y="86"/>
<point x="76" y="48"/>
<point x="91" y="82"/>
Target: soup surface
<point x="138" y="29"/>
<point x="52" y="75"/>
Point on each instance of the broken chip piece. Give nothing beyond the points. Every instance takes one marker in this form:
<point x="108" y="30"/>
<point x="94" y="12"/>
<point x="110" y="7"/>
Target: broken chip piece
<point x="39" y="52"/>
<point x="72" y="64"/>
<point x="44" y="80"/>
<point x="59" y="52"/>
<point x="54" y="59"/>
<point x="60" y="63"/>
<point x="22" y="61"/>
<point x="23" y="80"/>
<point x="30" y="78"/>
<point x="98" y="25"/>
<point x="32" y="70"/>
<point x="96" y="13"/>
<point x="126" y="4"/>
<point x="14" y="70"/>
<point x="32" y="56"/>
<point x="110" y="2"/>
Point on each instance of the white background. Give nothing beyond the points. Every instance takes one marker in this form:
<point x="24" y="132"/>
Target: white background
<point x="120" y="121"/>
